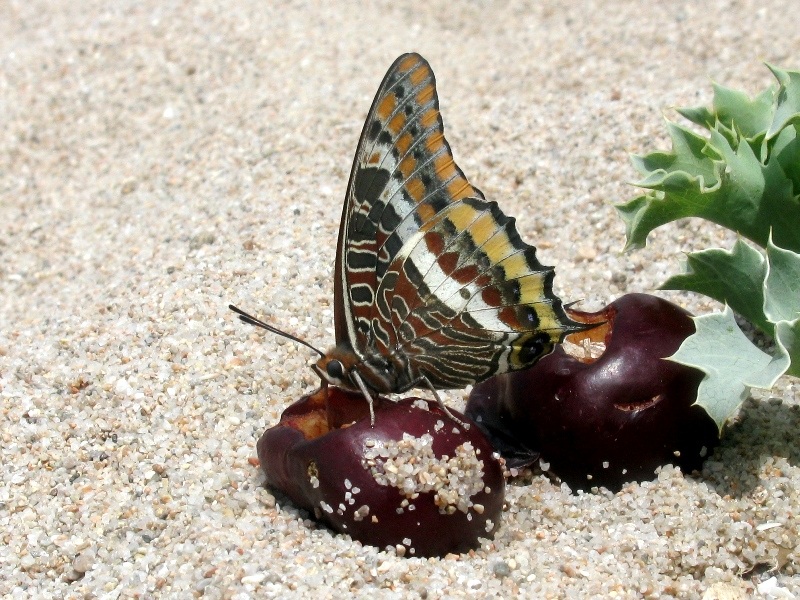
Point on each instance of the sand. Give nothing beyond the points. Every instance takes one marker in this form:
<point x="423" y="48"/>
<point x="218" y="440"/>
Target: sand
<point x="161" y="160"/>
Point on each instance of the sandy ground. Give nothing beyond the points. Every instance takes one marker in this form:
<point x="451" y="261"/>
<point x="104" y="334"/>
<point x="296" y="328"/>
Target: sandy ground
<point x="160" y="160"/>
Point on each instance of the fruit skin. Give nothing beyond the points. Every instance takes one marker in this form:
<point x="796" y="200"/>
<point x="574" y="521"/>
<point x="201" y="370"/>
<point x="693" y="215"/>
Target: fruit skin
<point x="628" y="408"/>
<point x="316" y="455"/>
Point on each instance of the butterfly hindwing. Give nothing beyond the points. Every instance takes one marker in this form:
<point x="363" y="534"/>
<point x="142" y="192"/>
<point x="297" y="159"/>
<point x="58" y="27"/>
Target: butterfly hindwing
<point x="468" y="299"/>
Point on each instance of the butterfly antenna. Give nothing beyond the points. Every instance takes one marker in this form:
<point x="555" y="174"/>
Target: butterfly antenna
<point x="251" y="320"/>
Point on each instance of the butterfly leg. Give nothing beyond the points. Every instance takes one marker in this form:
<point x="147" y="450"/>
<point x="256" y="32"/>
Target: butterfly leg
<point x="360" y="382"/>
<point x="441" y="404"/>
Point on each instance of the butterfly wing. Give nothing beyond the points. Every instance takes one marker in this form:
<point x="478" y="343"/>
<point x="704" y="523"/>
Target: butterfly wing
<point x="403" y="171"/>
<point x="427" y="270"/>
<point x="468" y="299"/>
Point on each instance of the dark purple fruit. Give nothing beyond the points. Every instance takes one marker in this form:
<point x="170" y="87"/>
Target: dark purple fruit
<point x="608" y="419"/>
<point x="416" y="481"/>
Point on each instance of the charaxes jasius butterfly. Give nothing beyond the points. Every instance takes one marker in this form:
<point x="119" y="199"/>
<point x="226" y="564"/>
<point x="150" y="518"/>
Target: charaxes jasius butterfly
<point x="433" y="286"/>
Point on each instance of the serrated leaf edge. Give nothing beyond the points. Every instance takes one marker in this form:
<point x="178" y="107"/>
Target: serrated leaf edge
<point x="772" y="370"/>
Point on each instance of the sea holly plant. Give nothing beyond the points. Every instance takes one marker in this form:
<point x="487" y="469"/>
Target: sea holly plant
<point x="742" y="173"/>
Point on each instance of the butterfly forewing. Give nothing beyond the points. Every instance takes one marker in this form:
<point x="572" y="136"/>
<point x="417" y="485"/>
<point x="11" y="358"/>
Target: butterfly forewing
<point x="428" y="272"/>
<point x="403" y="171"/>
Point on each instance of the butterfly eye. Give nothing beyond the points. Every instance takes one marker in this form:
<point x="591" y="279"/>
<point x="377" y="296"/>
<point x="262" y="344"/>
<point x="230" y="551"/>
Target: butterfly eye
<point x="335" y="369"/>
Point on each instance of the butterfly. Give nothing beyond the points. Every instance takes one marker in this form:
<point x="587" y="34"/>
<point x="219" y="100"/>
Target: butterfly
<point x="433" y="286"/>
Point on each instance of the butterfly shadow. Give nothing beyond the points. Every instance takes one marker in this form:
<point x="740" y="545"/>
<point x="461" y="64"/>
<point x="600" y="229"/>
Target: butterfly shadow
<point x="753" y="448"/>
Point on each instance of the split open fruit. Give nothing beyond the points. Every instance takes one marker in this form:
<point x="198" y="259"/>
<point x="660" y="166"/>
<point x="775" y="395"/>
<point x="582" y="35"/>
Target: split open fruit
<point x="415" y="481"/>
<point x="606" y="417"/>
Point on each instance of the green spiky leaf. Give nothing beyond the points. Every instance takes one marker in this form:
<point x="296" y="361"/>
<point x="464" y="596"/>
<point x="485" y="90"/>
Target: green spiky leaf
<point x="782" y="284"/>
<point x="786" y="151"/>
<point x="787" y="335"/>
<point x="787" y="110"/>
<point x="688" y="157"/>
<point x="743" y="174"/>
<point x="731" y="363"/>
<point x="734" y="278"/>
<point x="736" y="191"/>
<point x="751" y="117"/>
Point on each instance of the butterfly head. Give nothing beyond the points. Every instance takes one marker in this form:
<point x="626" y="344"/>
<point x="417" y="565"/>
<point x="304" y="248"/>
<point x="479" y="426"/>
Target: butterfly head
<point x="336" y="367"/>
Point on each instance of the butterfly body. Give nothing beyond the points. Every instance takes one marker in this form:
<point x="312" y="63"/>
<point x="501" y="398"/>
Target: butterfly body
<point x="433" y="285"/>
<point x="379" y="373"/>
